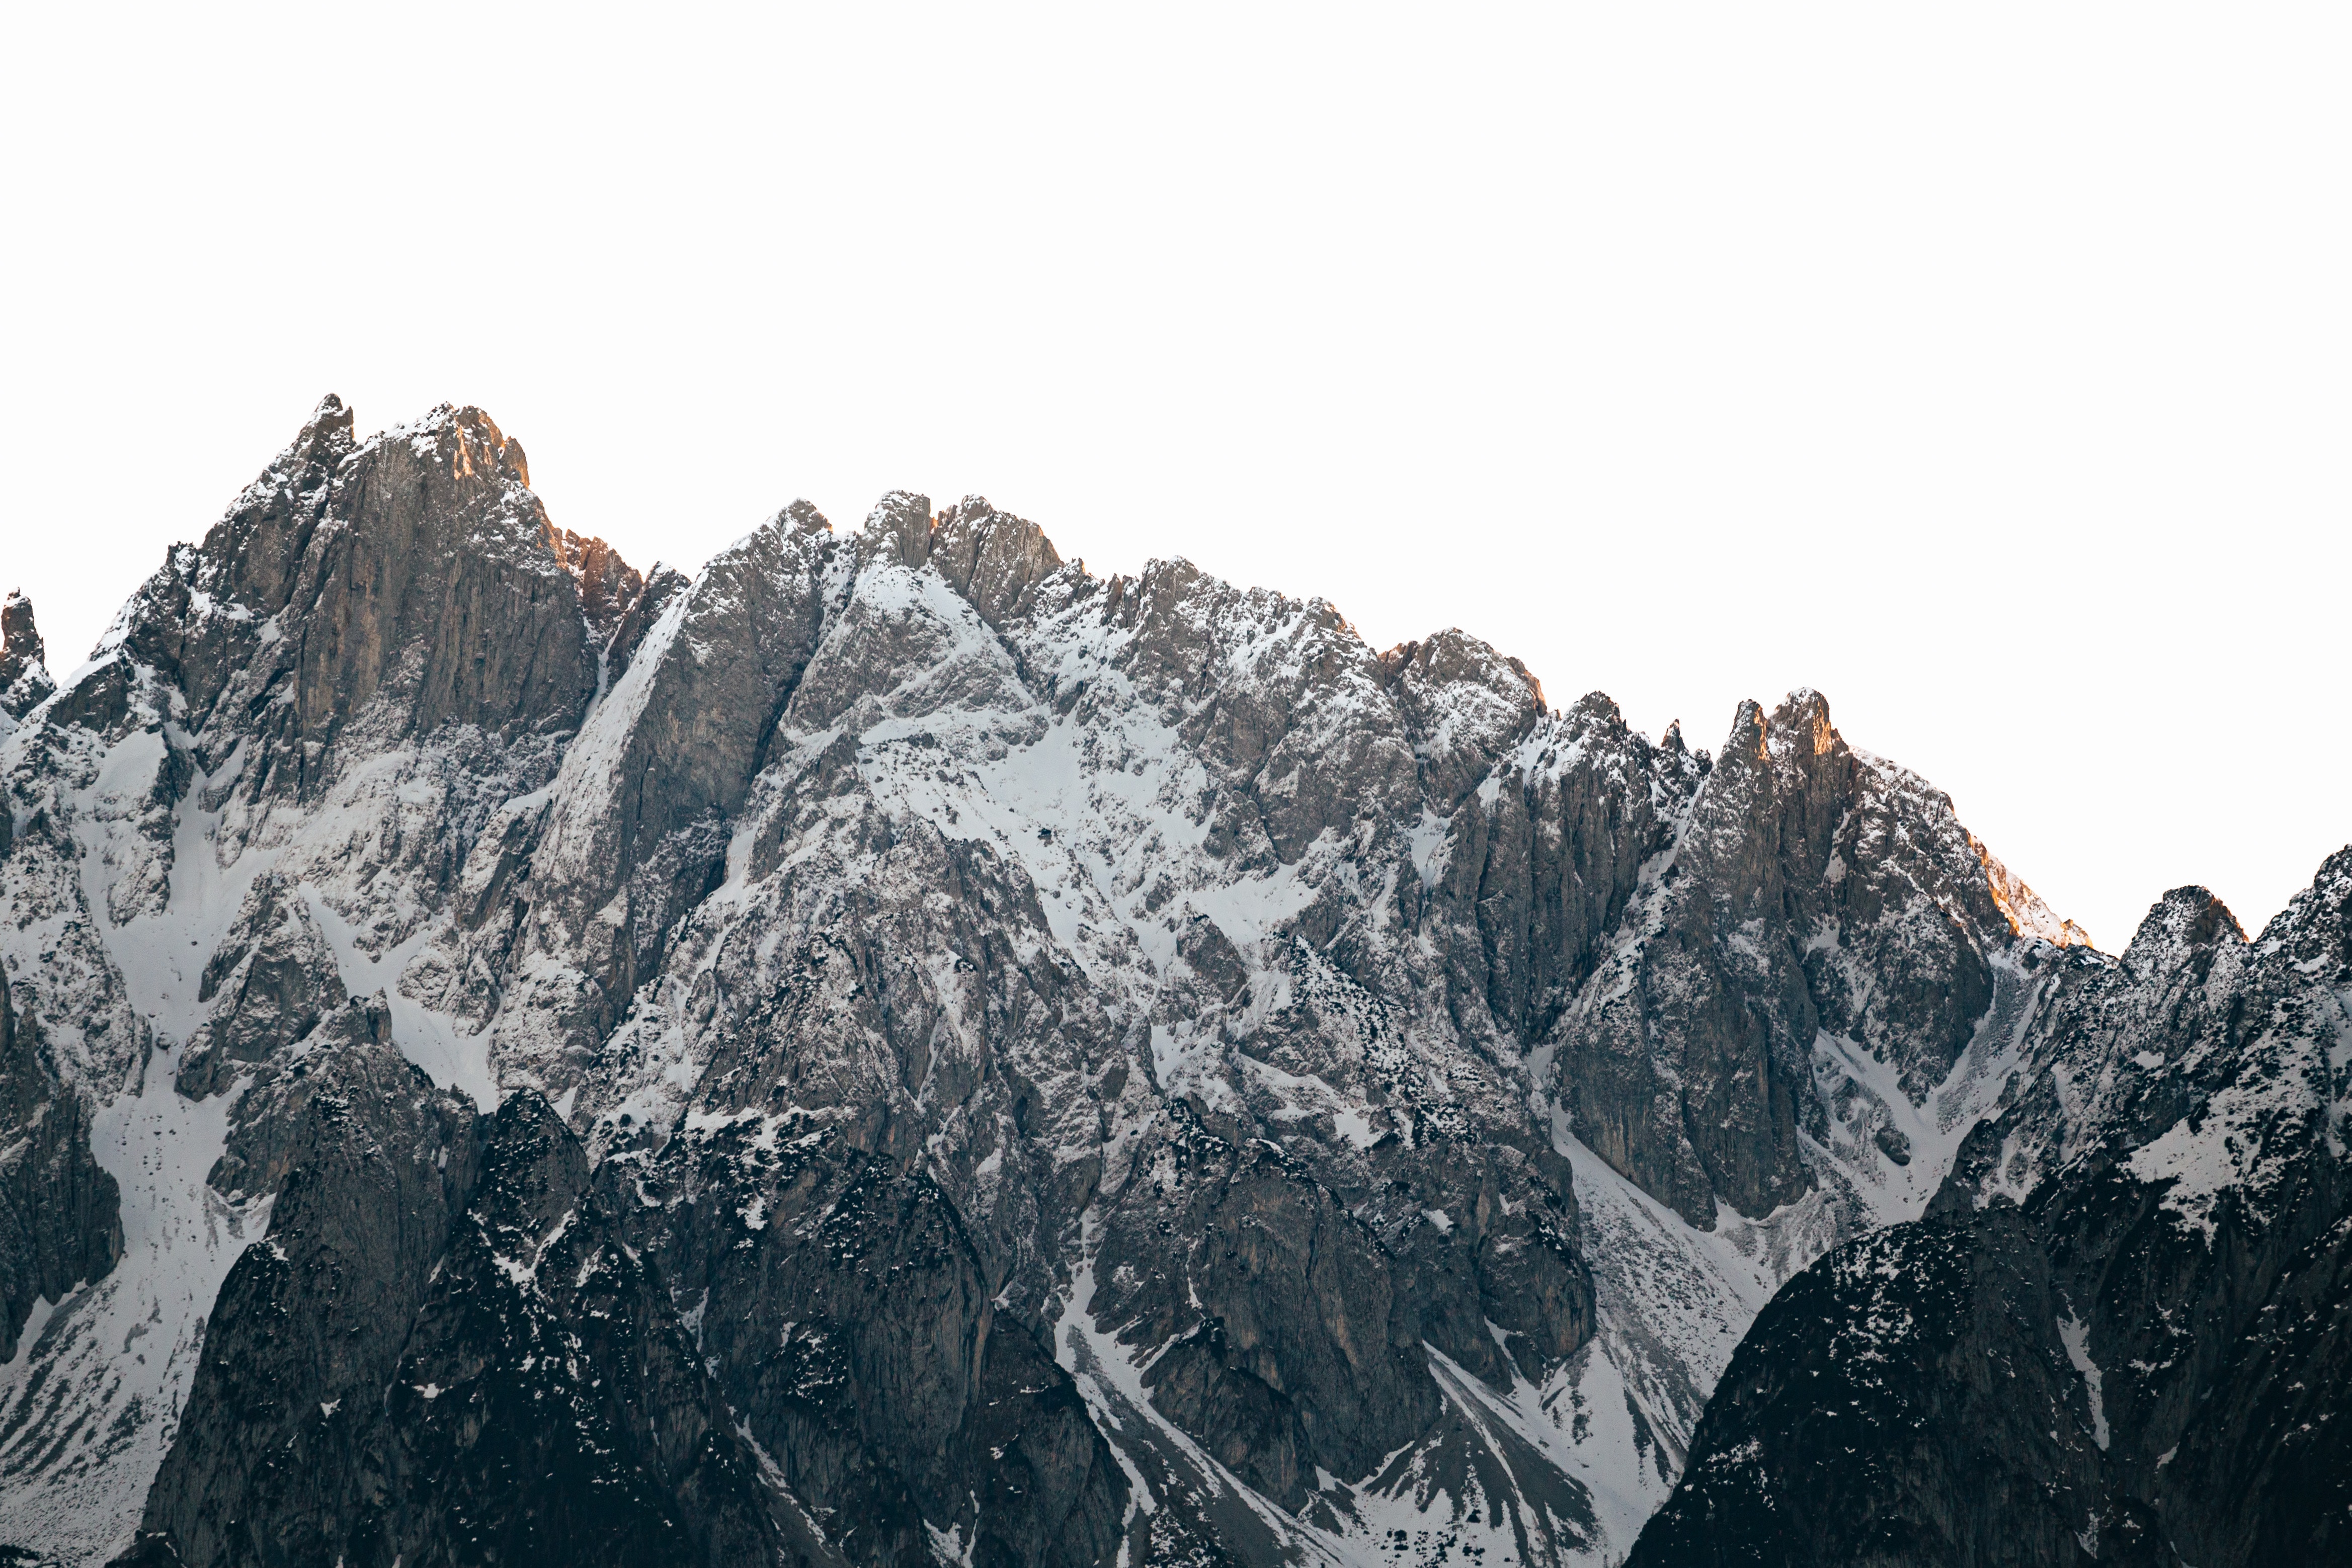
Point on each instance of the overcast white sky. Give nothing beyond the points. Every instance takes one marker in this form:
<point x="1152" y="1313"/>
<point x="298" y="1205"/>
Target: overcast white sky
<point x="1986" y="368"/>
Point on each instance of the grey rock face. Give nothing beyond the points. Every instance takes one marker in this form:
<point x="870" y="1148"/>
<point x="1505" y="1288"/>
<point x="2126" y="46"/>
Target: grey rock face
<point x="2122" y="1330"/>
<point x="60" y="1222"/>
<point x="393" y="1381"/>
<point x="547" y="1406"/>
<point x="445" y="565"/>
<point x="609" y="586"/>
<point x="995" y="559"/>
<point x="853" y="1325"/>
<point x="271" y="982"/>
<point x="1466" y="706"/>
<point x="662" y="584"/>
<point x="1812" y="892"/>
<point x="705" y="705"/>
<point x="278" y="1457"/>
<point x="414" y="580"/>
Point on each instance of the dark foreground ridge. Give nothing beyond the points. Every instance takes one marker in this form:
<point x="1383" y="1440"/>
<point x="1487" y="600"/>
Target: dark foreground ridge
<point x="894" y="1050"/>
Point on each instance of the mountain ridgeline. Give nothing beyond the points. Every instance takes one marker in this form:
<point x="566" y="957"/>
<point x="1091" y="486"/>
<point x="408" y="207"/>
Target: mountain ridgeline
<point x="894" y="1050"/>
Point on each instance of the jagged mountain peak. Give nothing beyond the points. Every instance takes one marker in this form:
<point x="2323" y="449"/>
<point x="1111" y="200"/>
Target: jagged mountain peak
<point x="2149" y="1241"/>
<point x="995" y="559"/>
<point x="1798" y="728"/>
<point x="802" y="517"/>
<point x="1453" y="655"/>
<point x="329" y="427"/>
<point x="466" y="437"/>
<point x="1749" y="733"/>
<point x="390" y="554"/>
<point x="2182" y="928"/>
<point x="25" y="679"/>
<point x="608" y="585"/>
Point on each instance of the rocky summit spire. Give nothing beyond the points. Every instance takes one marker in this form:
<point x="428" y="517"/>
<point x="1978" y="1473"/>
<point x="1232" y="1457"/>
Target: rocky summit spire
<point x="609" y="586"/>
<point x="24" y="677"/>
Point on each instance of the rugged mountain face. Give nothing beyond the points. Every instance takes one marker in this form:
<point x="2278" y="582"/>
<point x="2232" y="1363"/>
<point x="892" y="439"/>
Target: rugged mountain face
<point x="895" y="1049"/>
<point x="2122" y="1332"/>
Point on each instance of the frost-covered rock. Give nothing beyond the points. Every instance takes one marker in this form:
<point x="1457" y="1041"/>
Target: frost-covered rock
<point x="24" y="678"/>
<point x="2122" y="1330"/>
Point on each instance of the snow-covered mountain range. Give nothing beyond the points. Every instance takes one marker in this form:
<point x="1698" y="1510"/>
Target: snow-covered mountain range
<point x="896" y="1050"/>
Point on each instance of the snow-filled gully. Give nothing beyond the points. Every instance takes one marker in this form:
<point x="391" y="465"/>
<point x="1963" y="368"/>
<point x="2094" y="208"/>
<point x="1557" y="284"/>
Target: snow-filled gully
<point x="91" y="1398"/>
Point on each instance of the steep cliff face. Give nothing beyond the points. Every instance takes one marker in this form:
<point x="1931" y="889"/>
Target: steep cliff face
<point x="896" y="1048"/>
<point x="1819" y="903"/>
<point x="60" y="1221"/>
<point x="279" y="1459"/>
<point x="226" y="824"/>
<point x="25" y="680"/>
<point x="2121" y="1333"/>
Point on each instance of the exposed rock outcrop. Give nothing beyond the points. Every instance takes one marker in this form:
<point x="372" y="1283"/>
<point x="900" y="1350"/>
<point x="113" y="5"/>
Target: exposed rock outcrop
<point x="1813" y="891"/>
<point x="445" y="1354"/>
<point x="2124" y="1330"/>
<point x="60" y="1213"/>
<point x="23" y="678"/>
<point x="278" y="1453"/>
<point x="853" y="1327"/>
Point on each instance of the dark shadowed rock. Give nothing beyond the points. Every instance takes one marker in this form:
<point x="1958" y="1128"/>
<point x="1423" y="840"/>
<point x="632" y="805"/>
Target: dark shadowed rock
<point x="60" y="1221"/>
<point x="1790" y="908"/>
<point x="857" y="1334"/>
<point x="2124" y="1329"/>
<point x="276" y="1459"/>
<point x="896" y="1050"/>
<point x="547" y="1406"/>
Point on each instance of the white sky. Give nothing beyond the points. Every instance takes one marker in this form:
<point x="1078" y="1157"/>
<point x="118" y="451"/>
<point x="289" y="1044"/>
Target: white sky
<point x="1989" y="369"/>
